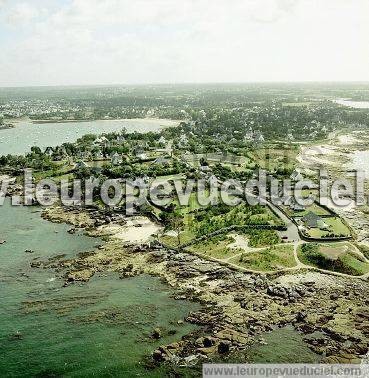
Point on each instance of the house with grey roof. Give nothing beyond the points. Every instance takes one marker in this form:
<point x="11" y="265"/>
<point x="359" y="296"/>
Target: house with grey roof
<point x="313" y="220"/>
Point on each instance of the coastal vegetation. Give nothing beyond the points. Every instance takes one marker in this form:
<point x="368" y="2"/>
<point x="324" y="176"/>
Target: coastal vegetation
<point x="269" y="259"/>
<point x="225" y="257"/>
<point x="342" y="258"/>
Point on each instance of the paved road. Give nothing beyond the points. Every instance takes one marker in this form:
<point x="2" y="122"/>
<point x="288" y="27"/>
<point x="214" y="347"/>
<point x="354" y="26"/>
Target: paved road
<point x="292" y="232"/>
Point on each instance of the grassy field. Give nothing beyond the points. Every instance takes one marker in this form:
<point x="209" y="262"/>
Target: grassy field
<point x="216" y="247"/>
<point x="241" y="215"/>
<point x="57" y="174"/>
<point x="269" y="259"/>
<point x="193" y="204"/>
<point x="337" y="257"/>
<point x="247" y="166"/>
<point x="336" y="227"/>
<point x="172" y="241"/>
<point x="315" y="208"/>
<point x="364" y="249"/>
<point x="199" y="222"/>
<point x="274" y="158"/>
<point x="169" y="177"/>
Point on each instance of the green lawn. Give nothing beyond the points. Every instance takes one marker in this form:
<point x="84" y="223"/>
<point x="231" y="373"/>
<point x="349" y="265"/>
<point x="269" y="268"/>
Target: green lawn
<point x="274" y="158"/>
<point x="179" y="176"/>
<point x="315" y="208"/>
<point x="336" y="227"/>
<point x="269" y="259"/>
<point x="354" y="265"/>
<point x="215" y="247"/>
<point x="364" y="249"/>
<point x="193" y="204"/>
<point x="337" y="257"/>
<point x="172" y="241"/>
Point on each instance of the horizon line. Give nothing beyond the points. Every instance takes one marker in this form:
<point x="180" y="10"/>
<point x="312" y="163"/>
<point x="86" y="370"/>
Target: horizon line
<point x="364" y="82"/>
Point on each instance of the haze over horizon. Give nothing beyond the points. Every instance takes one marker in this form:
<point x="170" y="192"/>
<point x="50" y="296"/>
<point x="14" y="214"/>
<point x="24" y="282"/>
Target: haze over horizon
<point x="112" y="42"/>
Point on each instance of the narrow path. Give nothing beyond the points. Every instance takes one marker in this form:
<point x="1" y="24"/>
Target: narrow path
<point x="294" y="236"/>
<point x="365" y="276"/>
<point x="299" y="266"/>
<point x="360" y="253"/>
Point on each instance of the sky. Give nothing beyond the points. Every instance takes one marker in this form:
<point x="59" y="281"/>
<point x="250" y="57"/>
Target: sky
<point x="87" y="42"/>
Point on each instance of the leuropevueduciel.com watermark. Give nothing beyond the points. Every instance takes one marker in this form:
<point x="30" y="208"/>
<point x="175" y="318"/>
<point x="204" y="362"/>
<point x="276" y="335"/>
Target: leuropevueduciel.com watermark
<point x="210" y="191"/>
<point x="286" y="370"/>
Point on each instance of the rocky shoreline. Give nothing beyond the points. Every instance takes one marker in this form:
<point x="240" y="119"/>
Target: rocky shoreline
<point x="7" y="126"/>
<point x="237" y="308"/>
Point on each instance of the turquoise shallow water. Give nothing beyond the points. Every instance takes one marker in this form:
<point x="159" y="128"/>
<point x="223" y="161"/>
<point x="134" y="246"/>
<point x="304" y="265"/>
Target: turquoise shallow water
<point x="283" y="345"/>
<point x="98" y="329"/>
<point x="26" y="134"/>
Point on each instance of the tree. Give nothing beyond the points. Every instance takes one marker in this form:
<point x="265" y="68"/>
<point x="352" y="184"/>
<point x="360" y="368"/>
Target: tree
<point x="176" y="224"/>
<point x="36" y="150"/>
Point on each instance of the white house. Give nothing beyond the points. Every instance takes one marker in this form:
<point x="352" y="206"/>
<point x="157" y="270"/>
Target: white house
<point x="183" y="141"/>
<point x="296" y="175"/>
<point x="258" y="137"/>
<point x="205" y="169"/>
<point x="161" y="160"/>
<point x="121" y="139"/>
<point x="97" y="154"/>
<point x="49" y="151"/>
<point x="102" y="141"/>
<point x="162" y="141"/>
<point x="141" y="156"/>
<point x="115" y="159"/>
<point x="249" y="136"/>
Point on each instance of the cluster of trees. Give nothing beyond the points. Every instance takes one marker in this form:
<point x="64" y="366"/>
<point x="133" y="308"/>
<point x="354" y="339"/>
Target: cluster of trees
<point x="132" y="171"/>
<point x="226" y="173"/>
<point x="261" y="238"/>
<point x="35" y="160"/>
<point x="209" y="220"/>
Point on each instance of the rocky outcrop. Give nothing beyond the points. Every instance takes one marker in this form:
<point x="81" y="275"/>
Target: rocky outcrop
<point x="80" y="275"/>
<point x="289" y="293"/>
<point x="236" y="307"/>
